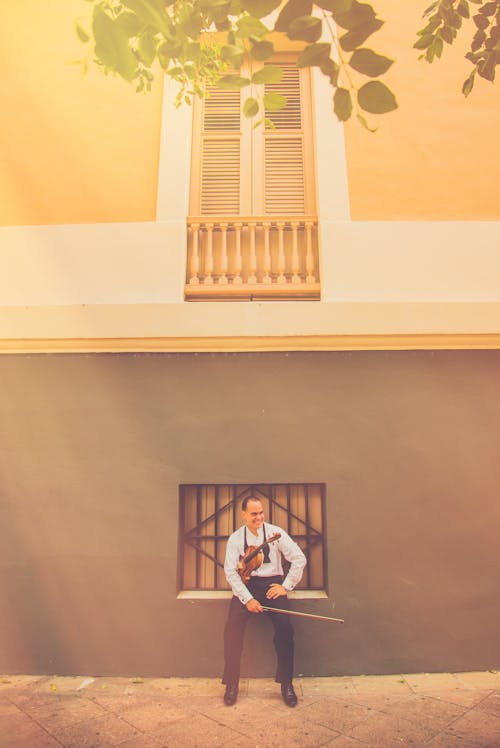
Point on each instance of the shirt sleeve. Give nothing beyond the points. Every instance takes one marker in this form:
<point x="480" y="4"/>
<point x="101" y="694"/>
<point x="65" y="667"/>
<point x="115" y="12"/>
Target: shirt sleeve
<point x="294" y="555"/>
<point x="230" y="569"/>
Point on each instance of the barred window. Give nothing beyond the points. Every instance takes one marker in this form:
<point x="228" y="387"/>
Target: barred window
<point x="209" y="513"/>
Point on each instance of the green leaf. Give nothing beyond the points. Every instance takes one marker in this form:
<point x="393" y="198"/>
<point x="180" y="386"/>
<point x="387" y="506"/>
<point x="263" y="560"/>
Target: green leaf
<point x="357" y="36"/>
<point x="152" y="13"/>
<point x="331" y="69"/>
<point x="249" y="26"/>
<point x="424" y="42"/>
<point x="376" y="98"/>
<point x="233" y="54"/>
<point x="212" y="3"/>
<point x="362" y="121"/>
<point x="447" y="34"/>
<point x="293" y="9"/>
<point x="486" y="68"/>
<point x="468" y="84"/>
<point x="147" y="48"/>
<point x="489" y="9"/>
<point x="268" y="74"/>
<point x="481" y="21"/>
<point x="273" y="102"/>
<point x="81" y="33"/>
<point x="259" y="8"/>
<point x="342" y="104"/>
<point x="129" y="23"/>
<point x="111" y="46"/>
<point x="262" y="50"/>
<point x="250" y="107"/>
<point x="357" y="15"/>
<point x="314" y="55"/>
<point x="370" y="63"/>
<point x="335" y="6"/>
<point x="233" y="82"/>
<point x="305" y="28"/>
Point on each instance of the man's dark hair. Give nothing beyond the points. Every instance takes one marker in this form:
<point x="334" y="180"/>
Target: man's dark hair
<point x="245" y="501"/>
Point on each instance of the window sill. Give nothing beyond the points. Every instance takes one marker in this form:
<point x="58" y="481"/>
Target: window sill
<point x="227" y="594"/>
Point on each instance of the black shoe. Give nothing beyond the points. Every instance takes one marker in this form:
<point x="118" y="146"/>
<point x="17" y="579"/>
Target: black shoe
<point x="231" y="694"/>
<point x="288" y="693"/>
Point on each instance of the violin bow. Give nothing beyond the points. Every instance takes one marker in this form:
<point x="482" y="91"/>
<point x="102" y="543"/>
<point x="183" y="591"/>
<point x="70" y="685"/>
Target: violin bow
<point x="305" y="615"/>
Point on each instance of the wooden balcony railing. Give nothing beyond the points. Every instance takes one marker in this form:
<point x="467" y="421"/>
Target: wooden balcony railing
<point x="252" y="257"/>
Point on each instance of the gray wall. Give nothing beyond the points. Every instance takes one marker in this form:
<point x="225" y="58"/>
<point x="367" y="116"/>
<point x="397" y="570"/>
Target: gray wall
<point x="92" y="451"/>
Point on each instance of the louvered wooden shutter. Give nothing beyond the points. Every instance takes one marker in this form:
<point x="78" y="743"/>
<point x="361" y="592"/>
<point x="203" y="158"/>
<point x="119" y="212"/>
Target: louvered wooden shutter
<point x="241" y="170"/>
<point x="284" y="148"/>
<point x="220" y="154"/>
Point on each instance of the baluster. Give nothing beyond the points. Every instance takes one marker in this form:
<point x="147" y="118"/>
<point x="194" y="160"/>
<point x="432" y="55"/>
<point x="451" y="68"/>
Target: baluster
<point x="195" y="255"/>
<point x="209" y="259"/>
<point x="309" y="254"/>
<point x="238" y="264"/>
<point x="252" y="278"/>
<point x="295" y="254"/>
<point x="267" y="254"/>
<point x="223" y="271"/>
<point x="281" y="253"/>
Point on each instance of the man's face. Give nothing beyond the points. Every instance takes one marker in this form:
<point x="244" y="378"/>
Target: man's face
<point x="253" y="516"/>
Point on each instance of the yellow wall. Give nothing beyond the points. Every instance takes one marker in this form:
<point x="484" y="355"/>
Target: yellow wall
<point x="86" y="150"/>
<point x="72" y="150"/>
<point x="437" y="157"/>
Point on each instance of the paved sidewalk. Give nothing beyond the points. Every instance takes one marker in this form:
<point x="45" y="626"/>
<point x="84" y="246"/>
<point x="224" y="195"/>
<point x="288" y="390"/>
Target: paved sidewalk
<point x="443" y="709"/>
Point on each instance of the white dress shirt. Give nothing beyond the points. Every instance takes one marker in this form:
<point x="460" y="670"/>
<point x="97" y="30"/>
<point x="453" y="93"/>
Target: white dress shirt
<point x="284" y="545"/>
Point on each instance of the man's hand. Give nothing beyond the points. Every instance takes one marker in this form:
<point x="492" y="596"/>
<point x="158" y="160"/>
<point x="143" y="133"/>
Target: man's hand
<point x="253" y="606"/>
<point x="275" y="590"/>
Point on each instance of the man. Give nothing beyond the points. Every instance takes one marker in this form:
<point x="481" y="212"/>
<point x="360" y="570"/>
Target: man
<point x="265" y="587"/>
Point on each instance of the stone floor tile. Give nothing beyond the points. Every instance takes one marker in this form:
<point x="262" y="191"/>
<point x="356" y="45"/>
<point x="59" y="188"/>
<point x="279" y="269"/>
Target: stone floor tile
<point x="386" y="731"/>
<point x="481" y="725"/>
<point x="196" y="732"/>
<point x="22" y="730"/>
<point x="8" y="709"/>
<point x="466" y="698"/>
<point x="327" y="686"/>
<point x="64" y="712"/>
<point x="482" y="680"/>
<point x="446" y="739"/>
<point x="378" y="701"/>
<point x="101" y="732"/>
<point x="41" y="739"/>
<point x="58" y="684"/>
<point x="293" y="732"/>
<point x="338" y="715"/>
<point x="263" y="686"/>
<point x="153" y="717"/>
<point x="425" y="711"/>
<point x="490" y="704"/>
<point x="143" y="741"/>
<point x="392" y="684"/>
<point x="422" y="682"/>
<point x="257" y="712"/>
<point x="121" y="702"/>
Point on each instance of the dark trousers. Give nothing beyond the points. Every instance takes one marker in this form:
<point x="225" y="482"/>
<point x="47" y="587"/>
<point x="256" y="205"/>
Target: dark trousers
<point x="234" y="632"/>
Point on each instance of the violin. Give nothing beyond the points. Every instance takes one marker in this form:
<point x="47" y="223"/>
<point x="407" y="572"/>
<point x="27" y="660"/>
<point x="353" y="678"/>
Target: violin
<point x="252" y="558"/>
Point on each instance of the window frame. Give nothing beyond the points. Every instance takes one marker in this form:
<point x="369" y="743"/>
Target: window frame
<point x="310" y="538"/>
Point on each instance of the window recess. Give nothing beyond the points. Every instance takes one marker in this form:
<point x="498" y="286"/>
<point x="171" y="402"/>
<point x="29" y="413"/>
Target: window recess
<point x="252" y="228"/>
<point x="209" y="513"/>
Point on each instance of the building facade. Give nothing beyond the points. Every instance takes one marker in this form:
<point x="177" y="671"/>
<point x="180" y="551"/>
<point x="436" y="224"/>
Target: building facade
<point x="191" y="311"/>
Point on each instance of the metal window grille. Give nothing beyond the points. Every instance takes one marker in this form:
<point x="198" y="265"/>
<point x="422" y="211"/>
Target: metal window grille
<point x="209" y="513"/>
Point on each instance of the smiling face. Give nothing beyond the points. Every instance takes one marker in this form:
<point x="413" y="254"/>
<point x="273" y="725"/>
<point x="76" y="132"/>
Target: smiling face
<point x="253" y="515"/>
